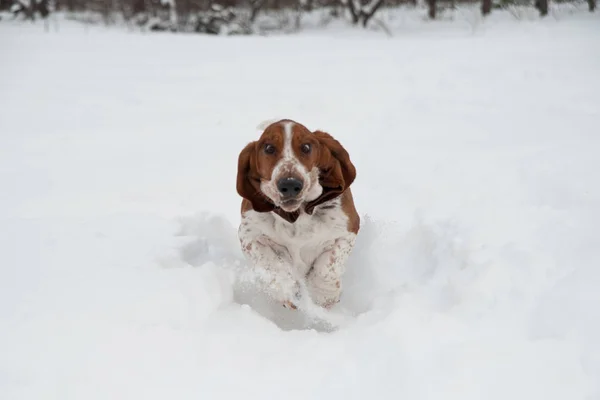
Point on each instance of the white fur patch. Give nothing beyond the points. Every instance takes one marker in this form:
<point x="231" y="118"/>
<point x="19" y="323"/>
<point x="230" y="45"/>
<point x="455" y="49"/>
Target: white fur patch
<point x="288" y="134"/>
<point x="320" y="241"/>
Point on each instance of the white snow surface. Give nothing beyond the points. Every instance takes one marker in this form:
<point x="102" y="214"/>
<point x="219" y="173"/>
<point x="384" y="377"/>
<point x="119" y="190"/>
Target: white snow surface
<point x="476" y="271"/>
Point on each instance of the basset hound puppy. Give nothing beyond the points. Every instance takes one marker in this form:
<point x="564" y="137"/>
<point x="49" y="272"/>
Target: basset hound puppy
<point x="298" y="220"/>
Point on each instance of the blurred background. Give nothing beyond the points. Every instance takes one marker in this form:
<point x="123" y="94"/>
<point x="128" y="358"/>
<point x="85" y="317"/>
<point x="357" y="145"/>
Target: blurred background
<point x="475" y="130"/>
<point x="263" y="16"/>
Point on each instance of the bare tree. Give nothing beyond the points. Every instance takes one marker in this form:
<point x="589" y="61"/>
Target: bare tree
<point x="542" y="6"/>
<point x="221" y="16"/>
<point x="255" y="6"/>
<point x="363" y="13"/>
<point x="486" y="7"/>
<point x="432" y="8"/>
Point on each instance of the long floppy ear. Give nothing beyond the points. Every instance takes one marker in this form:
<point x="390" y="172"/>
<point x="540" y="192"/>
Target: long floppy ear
<point x="336" y="170"/>
<point x="248" y="180"/>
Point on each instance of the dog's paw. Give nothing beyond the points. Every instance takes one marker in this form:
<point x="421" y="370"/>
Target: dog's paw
<point x="285" y="291"/>
<point x="289" y="305"/>
<point x="323" y="293"/>
<point x="292" y="304"/>
<point x="329" y="303"/>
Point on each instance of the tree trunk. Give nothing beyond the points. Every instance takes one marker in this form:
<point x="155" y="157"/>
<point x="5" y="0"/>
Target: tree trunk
<point x="486" y="7"/>
<point x="29" y="11"/>
<point x="353" y="12"/>
<point x="542" y="5"/>
<point x="183" y="9"/>
<point x="592" y="5"/>
<point x="298" y="19"/>
<point x="138" y="6"/>
<point x="255" y="6"/>
<point x="367" y="15"/>
<point x="105" y="7"/>
<point x="432" y="8"/>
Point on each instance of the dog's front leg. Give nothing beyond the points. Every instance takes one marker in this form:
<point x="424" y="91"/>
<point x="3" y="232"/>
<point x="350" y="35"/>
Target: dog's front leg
<point x="273" y="265"/>
<point x="325" y="277"/>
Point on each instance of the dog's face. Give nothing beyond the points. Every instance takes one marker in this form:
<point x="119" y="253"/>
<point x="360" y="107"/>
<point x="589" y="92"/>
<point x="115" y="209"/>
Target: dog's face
<point x="289" y="167"/>
<point x="287" y="155"/>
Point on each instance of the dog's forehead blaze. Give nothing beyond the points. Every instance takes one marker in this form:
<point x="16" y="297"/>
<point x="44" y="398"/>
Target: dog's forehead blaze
<point x="277" y="134"/>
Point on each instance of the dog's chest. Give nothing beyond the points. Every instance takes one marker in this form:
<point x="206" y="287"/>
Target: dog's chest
<point x="308" y="236"/>
<point x="311" y="228"/>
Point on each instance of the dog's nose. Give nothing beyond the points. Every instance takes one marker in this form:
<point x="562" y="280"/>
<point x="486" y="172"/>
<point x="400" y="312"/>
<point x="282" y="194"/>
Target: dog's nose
<point x="289" y="187"/>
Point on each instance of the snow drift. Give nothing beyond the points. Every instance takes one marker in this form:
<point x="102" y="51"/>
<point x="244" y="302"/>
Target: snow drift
<point x="475" y="272"/>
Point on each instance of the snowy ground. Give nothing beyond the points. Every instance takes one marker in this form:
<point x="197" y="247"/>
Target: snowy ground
<point x="476" y="273"/>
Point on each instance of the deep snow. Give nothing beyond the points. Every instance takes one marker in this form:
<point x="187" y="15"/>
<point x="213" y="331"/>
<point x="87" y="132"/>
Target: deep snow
<point x="476" y="270"/>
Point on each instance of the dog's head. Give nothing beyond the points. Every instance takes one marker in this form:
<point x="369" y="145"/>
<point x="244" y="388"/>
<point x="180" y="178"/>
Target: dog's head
<point x="290" y="167"/>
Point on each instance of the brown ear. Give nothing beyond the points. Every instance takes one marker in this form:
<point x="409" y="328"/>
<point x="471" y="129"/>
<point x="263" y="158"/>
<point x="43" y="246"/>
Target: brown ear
<point x="336" y="170"/>
<point x="248" y="180"/>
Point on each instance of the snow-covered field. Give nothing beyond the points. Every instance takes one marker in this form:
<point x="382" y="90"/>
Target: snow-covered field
<point x="476" y="274"/>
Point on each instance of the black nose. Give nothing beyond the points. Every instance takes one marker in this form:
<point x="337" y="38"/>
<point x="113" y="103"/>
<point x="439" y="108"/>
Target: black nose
<point x="289" y="187"/>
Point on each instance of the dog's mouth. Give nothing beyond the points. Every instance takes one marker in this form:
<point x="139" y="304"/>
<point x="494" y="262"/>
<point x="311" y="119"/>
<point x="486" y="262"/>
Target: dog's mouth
<point x="290" y="205"/>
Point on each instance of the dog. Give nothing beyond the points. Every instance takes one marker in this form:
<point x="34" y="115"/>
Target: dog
<point x="298" y="219"/>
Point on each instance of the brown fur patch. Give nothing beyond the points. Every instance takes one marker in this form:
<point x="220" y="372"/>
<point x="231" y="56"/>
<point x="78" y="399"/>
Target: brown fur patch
<point x="349" y="209"/>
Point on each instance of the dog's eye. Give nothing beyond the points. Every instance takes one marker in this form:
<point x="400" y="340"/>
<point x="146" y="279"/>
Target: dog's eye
<point x="269" y="149"/>
<point x="306" y="148"/>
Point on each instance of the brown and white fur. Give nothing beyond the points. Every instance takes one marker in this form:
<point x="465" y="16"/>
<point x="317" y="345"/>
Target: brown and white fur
<point x="299" y="222"/>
